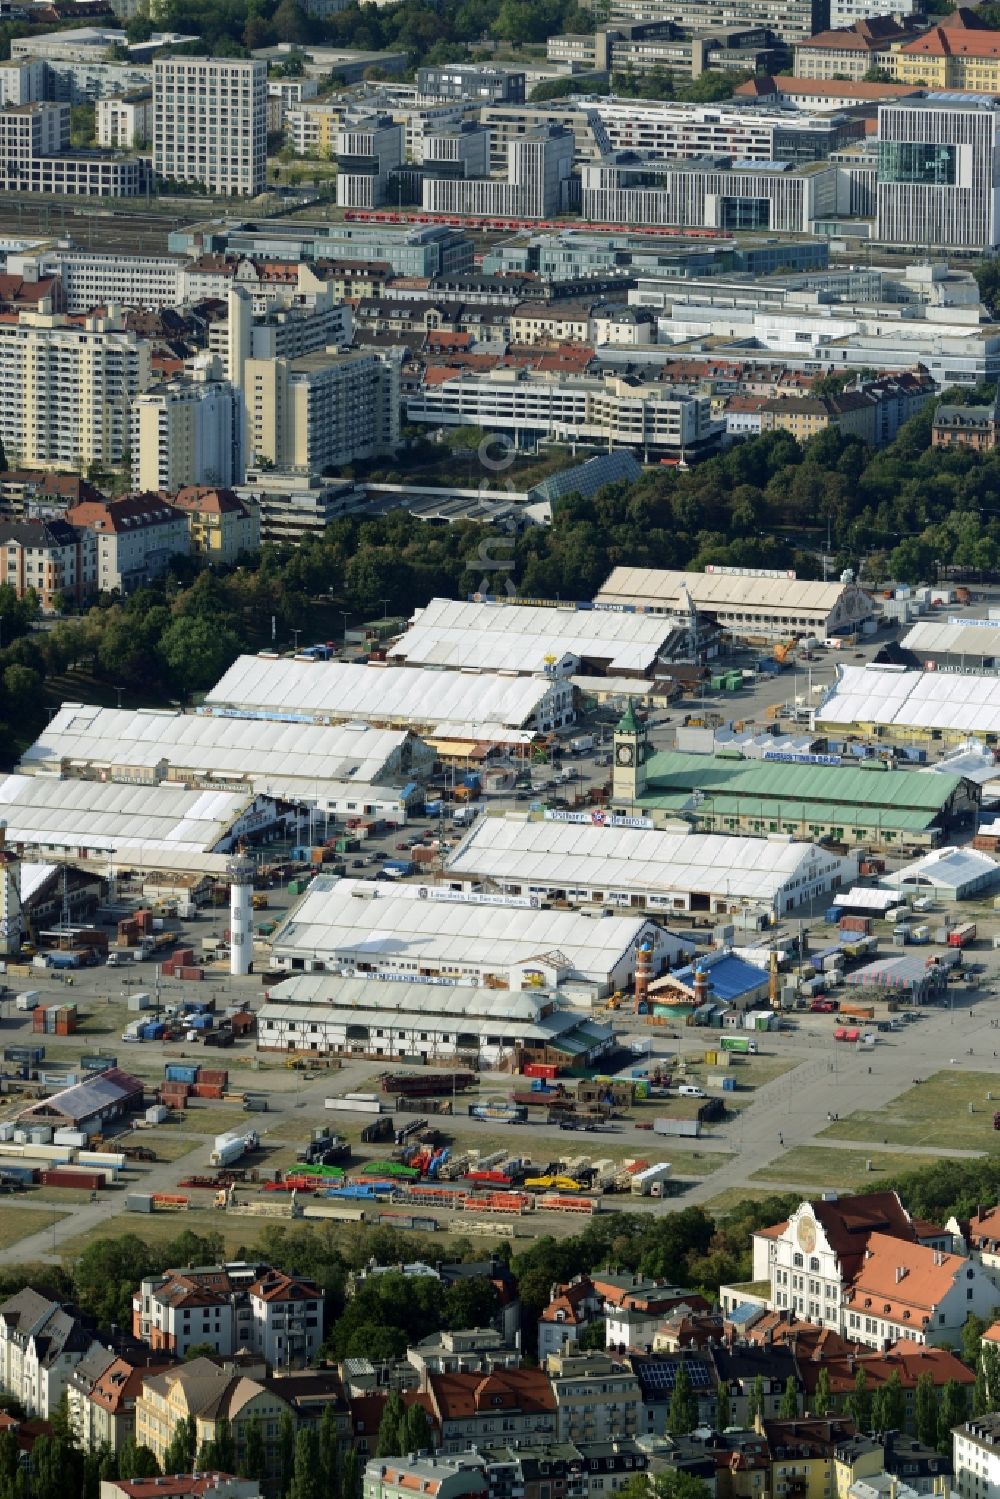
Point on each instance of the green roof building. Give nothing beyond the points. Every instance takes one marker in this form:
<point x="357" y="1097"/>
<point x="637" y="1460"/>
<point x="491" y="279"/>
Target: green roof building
<point x="871" y="807"/>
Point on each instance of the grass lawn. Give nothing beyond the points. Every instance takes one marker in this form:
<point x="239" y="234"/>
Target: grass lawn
<point x="17" y="1224"/>
<point x="735" y="1197"/>
<point x="826" y="1166"/>
<point x="934" y="1112"/>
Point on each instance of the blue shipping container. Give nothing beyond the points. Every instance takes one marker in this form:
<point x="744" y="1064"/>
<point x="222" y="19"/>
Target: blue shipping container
<point x="180" y="1072"/>
<point x="729" y="1085"/>
<point x="832" y="915"/>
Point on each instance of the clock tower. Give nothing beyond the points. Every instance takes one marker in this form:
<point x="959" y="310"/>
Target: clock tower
<point x="629" y="776"/>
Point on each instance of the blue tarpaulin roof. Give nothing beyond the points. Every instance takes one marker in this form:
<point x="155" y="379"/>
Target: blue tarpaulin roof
<point x="728" y="976"/>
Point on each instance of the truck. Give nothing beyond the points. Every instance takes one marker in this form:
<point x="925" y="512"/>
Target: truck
<point x="824" y="1007"/>
<point x="962" y="936"/>
<point x="581" y="744"/>
<point x="462" y="816"/>
<point x="29" y="1000"/>
<point x="744" y="1045"/>
<point x="232" y="1146"/>
<point x="858" y="1012"/>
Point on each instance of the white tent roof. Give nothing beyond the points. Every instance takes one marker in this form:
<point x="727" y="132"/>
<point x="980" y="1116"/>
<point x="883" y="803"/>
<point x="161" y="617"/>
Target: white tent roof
<point x="462" y="1001"/>
<point x="955" y="701"/>
<point x="68" y="815"/>
<point x="579" y="854"/>
<point x="336" y="690"/>
<point x="863" y="898"/>
<point x="334" y="924"/>
<point x="665" y="589"/>
<point x="115" y="737"/>
<point x="519" y="637"/>
<point x="971" y="637"/>
<point x="946" y="869"/>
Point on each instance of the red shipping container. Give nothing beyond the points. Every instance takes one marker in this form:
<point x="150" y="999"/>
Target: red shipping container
<point x="167" y="970"/>
<point x="862" y="924"/>
<point x="64" y="1176"/>
<point x="182" y="955"/>
<point x="195" y="974"/>
<point x="206" y="1090"/>
<point x="540" y="1069"/>
<point x="213" y="1075"/>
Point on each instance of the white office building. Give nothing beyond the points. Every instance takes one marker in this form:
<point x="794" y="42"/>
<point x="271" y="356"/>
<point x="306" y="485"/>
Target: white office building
<point x="366" y="152"/>
<point x="539" y="172"/>
<point x="939" y="172"/>
<point x="711" y="194"/>
<point x="609" y="410"/>
<point x="210" y="122"/>
<point x="95" y="278"/>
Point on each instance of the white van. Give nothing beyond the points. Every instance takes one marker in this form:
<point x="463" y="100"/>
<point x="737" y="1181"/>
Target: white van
<point x="688" y="1090"/>
<point x="29" y="1000"/>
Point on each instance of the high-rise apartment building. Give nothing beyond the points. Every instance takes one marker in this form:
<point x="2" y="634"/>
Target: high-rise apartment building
<point x="187" y="432"/>
<point x="320" y="411"/>
<point x="938" y="180"/>
<point x="67" y="389"/>
<point x="210" y="122"/>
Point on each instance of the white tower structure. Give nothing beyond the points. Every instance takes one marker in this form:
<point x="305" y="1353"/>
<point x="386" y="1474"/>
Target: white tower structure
<point x="240" y="875"/>
<point x="11" y="921"/>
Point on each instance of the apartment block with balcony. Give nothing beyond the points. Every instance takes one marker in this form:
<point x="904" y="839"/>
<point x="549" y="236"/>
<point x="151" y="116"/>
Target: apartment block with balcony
<point x="597" y="1398"/>
<point x="210" y="122"/>
<point x="66" y="389"/>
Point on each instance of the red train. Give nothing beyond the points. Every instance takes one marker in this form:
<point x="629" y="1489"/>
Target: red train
<point x="471" y="221"/>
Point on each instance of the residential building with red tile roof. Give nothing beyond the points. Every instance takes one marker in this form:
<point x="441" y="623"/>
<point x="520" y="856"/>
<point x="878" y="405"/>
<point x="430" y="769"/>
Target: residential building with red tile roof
<point x="471" y="1408"/>
<point x="909" y="1291"/>
<point x="137" y="536"/>
<point x="222" y="526"/>
<point x="233" y="1308"/>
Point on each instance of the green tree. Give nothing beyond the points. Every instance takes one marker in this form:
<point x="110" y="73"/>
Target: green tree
<point x="329" y="1453"/>
<point x="972" y="1338"/>
<point x="181" y="1449"/>
<point x="789" y="1407"/>
<point x="415" y="1431"/>
<point x="106" y="1274"/>
<point x="351" y="1481"/>
<point x="822" y="1400"/>
<point x="252" y="1461"/>
<point x="389" y="1442"/>
<point x="670" y="1485"/>
<point x="954" y="1409"/>
<point x="286" y="1452"/>
<point x="9" y="1460"/>
<point x="137" y="1461"/>
<point x="82" y="125"/>
<point x="859" y="1402"/>
<point x="682" y="1414"/>
<point x="200" y="1350"/>
<point x="926" y="1410"/>
<point x="755" y="1402"/>
<point x="307" y="1476"/>
<point x="723" y="1407"/>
